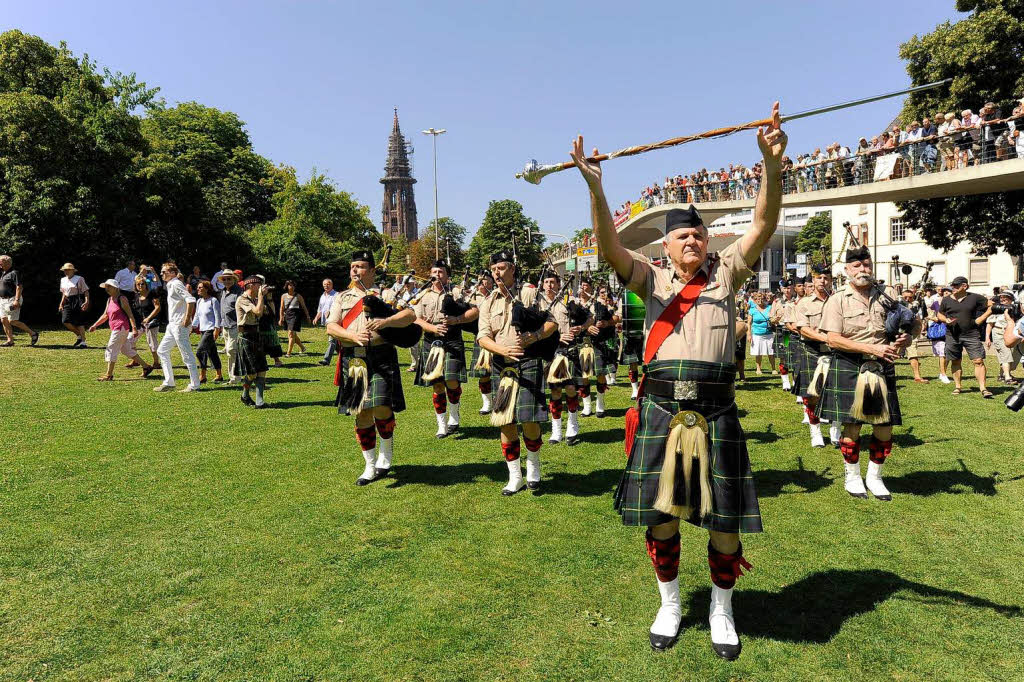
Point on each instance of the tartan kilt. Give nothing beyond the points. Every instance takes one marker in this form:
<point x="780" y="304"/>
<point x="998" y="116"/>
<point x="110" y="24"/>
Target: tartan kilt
<point x="840" y="384"/>
<point x="734" y="507"/>
<point x="798" y="369"/>
<point x="812" y="351"/>
<point x="632" y="350"/>
<point x="385" y="378"/>
<point x="271" y="342"/>
<point x="611" y="349"/>
<point x="251" y="357"/>
<point x="781" y="349"/>
<point x="531" y="402"/>
<point x="470" y="371"/>
<point x="454" y="359"/>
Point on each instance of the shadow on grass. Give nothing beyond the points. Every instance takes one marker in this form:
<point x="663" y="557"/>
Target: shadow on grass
<point x="790" y="615"/>
<point x="446" y="475"/>
<point x="770" y="482"/>
<point x="752" y="385"/>
<point x="953" y="481"/>
<point x="603" y="435"/>
<point x="590" y="484"/>
<point x="766" y="436"/>
<point x="287" y="405"/>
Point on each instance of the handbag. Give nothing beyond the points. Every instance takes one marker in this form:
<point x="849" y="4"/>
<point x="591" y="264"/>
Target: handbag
<point x="937" y="331"/>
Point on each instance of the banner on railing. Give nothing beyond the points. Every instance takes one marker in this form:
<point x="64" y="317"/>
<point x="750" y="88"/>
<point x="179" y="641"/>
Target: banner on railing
<point x="885" y="165"/>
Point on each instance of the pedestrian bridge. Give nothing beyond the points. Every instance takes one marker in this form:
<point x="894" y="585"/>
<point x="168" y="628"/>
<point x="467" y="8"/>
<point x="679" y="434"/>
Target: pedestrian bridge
<point x="649" y="225"/>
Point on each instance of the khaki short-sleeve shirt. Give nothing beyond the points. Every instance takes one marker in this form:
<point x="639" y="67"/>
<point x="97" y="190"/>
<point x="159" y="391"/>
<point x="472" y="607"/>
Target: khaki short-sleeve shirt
<point x="808" y="312"/>
<point x="245" y="311"/>
<point x="858" y="318"/>
<point x="708" y="331"/>
<point x="558" y="312"/>
<point x="344" y="302"/>
<point x="495" y="321"/>
<point x="428" y="308"/>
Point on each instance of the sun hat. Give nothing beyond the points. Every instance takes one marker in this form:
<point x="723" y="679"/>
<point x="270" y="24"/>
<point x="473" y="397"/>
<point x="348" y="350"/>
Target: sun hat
<point x="67" y="266"/>
<point x="228" y="273"/>
<point x="110" y="283"/>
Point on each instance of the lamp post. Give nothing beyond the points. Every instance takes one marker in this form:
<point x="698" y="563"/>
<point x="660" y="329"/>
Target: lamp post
<point x="434" y="133"/>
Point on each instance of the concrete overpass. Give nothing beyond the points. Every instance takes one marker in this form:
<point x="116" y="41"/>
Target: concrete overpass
<point x="1002" y="176"/>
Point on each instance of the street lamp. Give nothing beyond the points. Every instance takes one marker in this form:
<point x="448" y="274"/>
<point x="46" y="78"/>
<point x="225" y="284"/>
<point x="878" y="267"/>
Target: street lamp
<point x="434" y="133"/>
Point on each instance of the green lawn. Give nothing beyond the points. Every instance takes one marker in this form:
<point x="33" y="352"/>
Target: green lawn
<point x="175" y="536"/>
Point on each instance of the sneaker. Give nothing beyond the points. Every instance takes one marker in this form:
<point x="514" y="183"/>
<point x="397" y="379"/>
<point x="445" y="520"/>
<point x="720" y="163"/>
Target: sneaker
<point x="944" y="379"/>
<point x="163" y="388"/>
<point x="189" y="389"/>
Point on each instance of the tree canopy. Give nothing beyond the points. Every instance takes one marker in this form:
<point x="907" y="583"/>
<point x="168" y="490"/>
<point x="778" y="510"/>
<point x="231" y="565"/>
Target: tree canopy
<point x="984" y="55"/>
<point x="450" y="238"/>
<point x="506" y="226"/>
<point x="815" y="234"/>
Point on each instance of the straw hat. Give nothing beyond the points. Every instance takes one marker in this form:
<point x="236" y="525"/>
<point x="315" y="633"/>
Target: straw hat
<point x="227" y="273"/>
<point x="68" y="266"/>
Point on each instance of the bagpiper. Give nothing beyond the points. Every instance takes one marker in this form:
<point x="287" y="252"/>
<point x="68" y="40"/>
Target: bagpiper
<point x="441" y="313"/>
<point x="563" y="371"/>
<point x="806" y="320"/>
<point x="368" y="375"/>
<point x="595" y="354"/>
<point x="781" y="336"/>
<point x="860" y="387"/>
<point x="511" y="329"/>
<point x="480" y="362"/>
<point x="687" y="452"/>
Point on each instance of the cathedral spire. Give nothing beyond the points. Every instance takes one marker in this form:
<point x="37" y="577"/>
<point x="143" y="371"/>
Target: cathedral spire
<point x="399" y="207"/>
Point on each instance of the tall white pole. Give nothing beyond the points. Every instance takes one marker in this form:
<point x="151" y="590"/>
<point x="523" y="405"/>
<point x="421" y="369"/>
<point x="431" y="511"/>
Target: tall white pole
<point x="437" y="227"/>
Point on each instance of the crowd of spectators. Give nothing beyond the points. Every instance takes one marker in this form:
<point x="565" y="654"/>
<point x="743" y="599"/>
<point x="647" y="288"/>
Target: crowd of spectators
<point x="945" y="141"/>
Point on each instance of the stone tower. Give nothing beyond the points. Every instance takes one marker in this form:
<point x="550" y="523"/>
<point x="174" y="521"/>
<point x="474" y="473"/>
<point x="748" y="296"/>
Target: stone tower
<point x="398" y="212"/>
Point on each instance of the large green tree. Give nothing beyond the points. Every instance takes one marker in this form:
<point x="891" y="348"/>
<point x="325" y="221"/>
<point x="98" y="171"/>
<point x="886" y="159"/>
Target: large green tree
<point x="506" y="226"/>
<point x="815" y="237"/>
<point x="984" y="55"/>
<point x="450" y="238"/>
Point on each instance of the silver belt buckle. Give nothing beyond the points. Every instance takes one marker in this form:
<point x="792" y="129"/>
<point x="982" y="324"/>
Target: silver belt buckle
<point x="684" y="390"/>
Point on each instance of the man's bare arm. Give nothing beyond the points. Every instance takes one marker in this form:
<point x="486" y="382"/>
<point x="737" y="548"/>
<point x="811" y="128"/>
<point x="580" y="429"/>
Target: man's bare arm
<point x="772" y="141"/>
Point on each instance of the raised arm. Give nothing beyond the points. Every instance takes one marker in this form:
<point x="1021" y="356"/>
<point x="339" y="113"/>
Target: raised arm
<point x="600" y="216"/>
<point x="772" y="142"/>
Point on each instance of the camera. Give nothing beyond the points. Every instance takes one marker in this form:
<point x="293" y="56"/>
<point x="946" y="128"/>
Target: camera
<point x="1013" y="309"/>
<point x="1016" y="399"/>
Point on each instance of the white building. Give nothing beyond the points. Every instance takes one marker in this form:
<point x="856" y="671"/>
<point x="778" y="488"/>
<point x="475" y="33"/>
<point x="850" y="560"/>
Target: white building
<point x="881" y="228"/>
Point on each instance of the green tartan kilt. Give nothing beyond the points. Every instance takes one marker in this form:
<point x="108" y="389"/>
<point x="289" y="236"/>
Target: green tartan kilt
<point x="734" y="506"/>
<point x="604" y="356"/>
<point x="812" y="351"/>
<point x="840" y="384"/>
<point x="531" y="403"/>
<point x="798" y="369"/>
<point x="781" y="350"/>
<point x="385" y="379"/>
<point x="454" y="359"/>
<point x="478" y="373"/>
<point x="611" y="349"/>
<point x="633" y="350"/>
<point x="251" y="357"/>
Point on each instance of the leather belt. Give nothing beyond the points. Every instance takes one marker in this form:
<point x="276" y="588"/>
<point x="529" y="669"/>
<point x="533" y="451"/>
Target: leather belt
<point x="700" y="391"/>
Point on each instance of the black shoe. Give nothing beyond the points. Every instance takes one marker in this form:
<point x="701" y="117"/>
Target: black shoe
<point x="554" y="441"/>
<point x="247" y="401"/>
<point x="323" y="363"/>
<point x="729" y="652"/>
<point x="261" y="406"/>
<point x="533" y="485"/>
<point x="664" y="642"/>
<point x="572" y="440"/>
<point x="440" y="435"/>
<point x="482" y="411"/>
<point x="859" y="496"/>
<point x="365" y="481"/>
<point x="452" y="428"/>
<point x="35" y="338"/>
<point x="78" y="344"/>
<point x="380" y="473"/>
<point x="509" y="493"/>
<point x="600" y="415"/>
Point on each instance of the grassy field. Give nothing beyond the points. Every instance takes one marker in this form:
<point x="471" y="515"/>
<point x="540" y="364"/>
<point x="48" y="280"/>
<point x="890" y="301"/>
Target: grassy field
<point x="171" y="536"/>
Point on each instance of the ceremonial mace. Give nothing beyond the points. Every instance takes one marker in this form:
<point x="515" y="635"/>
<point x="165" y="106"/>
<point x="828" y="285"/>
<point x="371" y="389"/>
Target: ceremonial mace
<point x="534" y="172"/>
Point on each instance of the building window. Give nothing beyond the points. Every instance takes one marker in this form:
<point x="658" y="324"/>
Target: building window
<point x="979" y="271"/>
<point x="897" y="230"/>
<point x="939" y="272"/>
<point x="864" y="234"/>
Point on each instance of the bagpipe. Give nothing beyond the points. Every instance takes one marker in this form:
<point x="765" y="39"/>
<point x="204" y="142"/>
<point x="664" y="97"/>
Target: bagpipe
<point x="375" y="308"/>
<point x="899" y="318"/>
<point x="455" y="307"/>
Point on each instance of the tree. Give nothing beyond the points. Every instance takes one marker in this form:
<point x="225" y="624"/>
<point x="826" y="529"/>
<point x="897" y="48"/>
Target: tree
<point x="815" y="235"/>
<point x="450" y="239"/>
<point x="984" y="55"/>
<point x="505" y="226"/>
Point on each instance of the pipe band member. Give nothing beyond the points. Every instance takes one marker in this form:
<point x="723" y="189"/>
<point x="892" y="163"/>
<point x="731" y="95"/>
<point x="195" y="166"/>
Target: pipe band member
<point x="443" y="359"/>
<point x="480" y="362"/>
<point x="563" y="373"/>
<point x="594" y="353"/>
<point x="860" y="387"/>
<point x="519" y="397"/>
<point x="687" y="451"/>
<point x="368" y="375"/>
<point x="781" y="333"/>
<point x="807" y="320"/>
<point x="250" y="361"/>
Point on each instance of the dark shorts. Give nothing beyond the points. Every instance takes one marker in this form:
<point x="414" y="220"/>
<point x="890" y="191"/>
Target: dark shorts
<point x="734" y="506"/>
<point x="72" y="313"/>
<point x="969" y="341"/>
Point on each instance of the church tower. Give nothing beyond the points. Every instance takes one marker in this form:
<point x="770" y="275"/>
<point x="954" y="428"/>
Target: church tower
<point x="399" y="208"/>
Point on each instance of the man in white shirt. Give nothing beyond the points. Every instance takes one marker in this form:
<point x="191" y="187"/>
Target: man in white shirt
<point x="181" y="306"/>
<point x="218" y="285"/>
<point x="323" y="311"/>
<point x="125" y="279"/>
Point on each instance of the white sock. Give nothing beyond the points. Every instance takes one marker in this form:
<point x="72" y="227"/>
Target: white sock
<point x="556" y="430"/>
<point x="874" y="480"/>
<point x="532" y="467"/>
<point x="369" y="471"/>
<point x="834" y="433"/>
<point x="723" y="628"/>
<point x="586" y="406"/>
<point x="487" y="402"/>
<point x="610" y="378"/>
<point x="666" y="623"/>
<point x="854" y="484"/>
<point x="806" y="419"/>
<point x="453" y="414"/>
<point x="442" y="427"/>
<point x="636" y="389"/>
<point x="600" y="402"/>
<point x="817" y="441"/>
<point x="785" y="382"/>
<point x="386" y="452"/>
<point x="574" y="425"/>
<point x="515" y="475"/>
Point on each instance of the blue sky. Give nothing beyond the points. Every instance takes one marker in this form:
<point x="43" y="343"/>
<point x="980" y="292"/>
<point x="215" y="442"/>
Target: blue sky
<point x="316" y="82"/>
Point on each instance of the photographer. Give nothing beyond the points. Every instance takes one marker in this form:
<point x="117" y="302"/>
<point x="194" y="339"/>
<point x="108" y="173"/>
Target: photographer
<point x="965" y="315"/>
<point x="1009" y="357"/>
